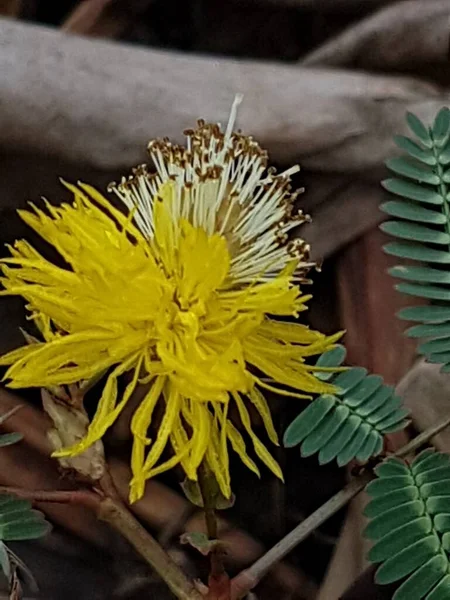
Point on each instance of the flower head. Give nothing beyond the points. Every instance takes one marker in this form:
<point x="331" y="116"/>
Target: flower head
<point x="185" y="291"/>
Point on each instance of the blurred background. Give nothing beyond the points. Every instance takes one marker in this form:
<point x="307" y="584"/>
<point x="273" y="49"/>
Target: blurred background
<point x="84" y="85"/>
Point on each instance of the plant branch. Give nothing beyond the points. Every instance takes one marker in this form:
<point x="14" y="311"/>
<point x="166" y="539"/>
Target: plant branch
<point x="208" y="502"/>
<point x="81" y="497"/>
<point x="249" y="578"/>
<point x="112" y="510"/>
<point x="109" y="508"/>
<point x="218" y="581"/>
<point x="422" y="438"/>
<point x="122" y="520"/>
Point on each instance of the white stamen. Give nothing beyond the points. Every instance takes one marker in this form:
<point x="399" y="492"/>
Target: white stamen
<point x="223" y="174"/>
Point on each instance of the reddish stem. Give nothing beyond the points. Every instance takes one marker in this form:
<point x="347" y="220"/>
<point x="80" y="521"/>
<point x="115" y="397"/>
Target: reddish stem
<point x="81" y="497"/>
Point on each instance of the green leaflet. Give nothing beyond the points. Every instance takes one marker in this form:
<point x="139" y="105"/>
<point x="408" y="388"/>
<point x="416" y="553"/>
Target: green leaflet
<point x="351" y="423"/>
<point x="425" y="155"/>
<point x="415" y="171"/>
<point x="428" y="314"/>
<point x="419" y="129"/>
<point x="423" y="231"/>
<point x="373" y="444"/>
<point x="332" y="358"/>
<point x="414" y="232"/>
<point x="408" y="560"/>
<point x="424" y="291"/>
<point x="348" y="380"/>
<point x="413" y="212"/>
<point x="387" y="484"/>
<point x="428" y="459"/>
<point x="420" y="274"/>
<point x="393" y="542"/>
<point x="412" y="191"/>
<point x="18" y="521"/>
<point x="331" y="448"/>
<point x="444" y="157"/>
<point x="354" y="445"/>
<point x="361" y="392"/>
<point x="376" y="400"/>
<point x="390" y="500"/>
<point x="441" y="344"/>
<point x="311" y="417"/>
<point x="392" y="468"/>
<point x="417" y="252"/>
<point x="409" y="516"/>
<point x="441" y="591"/>
<point x="25" y="529"/>
<point x="419" y="331"/>
<point x="6" y="439"/>
<point x="423" y="579"/>
<point x="322" y="433"/>
<point x="441" y="127"/>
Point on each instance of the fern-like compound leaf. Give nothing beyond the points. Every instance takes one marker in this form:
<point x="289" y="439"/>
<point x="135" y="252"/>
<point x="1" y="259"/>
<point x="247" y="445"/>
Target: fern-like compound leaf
<point x="422" y="227"/>
<point x="351" y="423"/>
<point x="409" y="521"/>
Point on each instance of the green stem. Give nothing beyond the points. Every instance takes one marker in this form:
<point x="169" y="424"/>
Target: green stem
<point x="208" y="487"/>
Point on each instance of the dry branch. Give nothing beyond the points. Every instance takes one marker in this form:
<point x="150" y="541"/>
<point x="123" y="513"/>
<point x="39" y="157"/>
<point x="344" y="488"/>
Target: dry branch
<point x="99" y="102"/>
<point x="405" y="35"/>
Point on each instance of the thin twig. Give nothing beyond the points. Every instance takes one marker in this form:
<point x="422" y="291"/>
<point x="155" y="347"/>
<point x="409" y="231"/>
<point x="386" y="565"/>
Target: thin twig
<point x="81" y="497"/>
<point x="422" y="438"/>
<point x="249" y="578"/>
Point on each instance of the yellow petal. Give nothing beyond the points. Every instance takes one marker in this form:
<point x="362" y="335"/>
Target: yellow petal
<point x="259" y="447"/>
<point x="238" y="445"/>
<point x="262" y="407"/>
<point x="173" y="404"/>
<point x="140" y="423"/>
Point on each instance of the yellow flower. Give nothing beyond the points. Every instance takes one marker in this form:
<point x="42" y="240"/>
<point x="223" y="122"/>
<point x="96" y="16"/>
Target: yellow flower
<point x="185" y="291"/>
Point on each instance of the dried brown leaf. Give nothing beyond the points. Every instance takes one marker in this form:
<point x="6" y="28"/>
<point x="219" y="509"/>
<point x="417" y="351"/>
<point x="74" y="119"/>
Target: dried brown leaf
<point x="70" y="425"/>
<point x="200" y="542"/>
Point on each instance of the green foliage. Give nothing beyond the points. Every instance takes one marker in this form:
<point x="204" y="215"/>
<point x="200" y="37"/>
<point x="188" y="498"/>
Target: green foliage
<point x="18" y="520"/>
<point x="6" y="439"/>
<point x="350" y="423"/>
<point x="422" y="226"/>
<point x="410" y="524"/>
